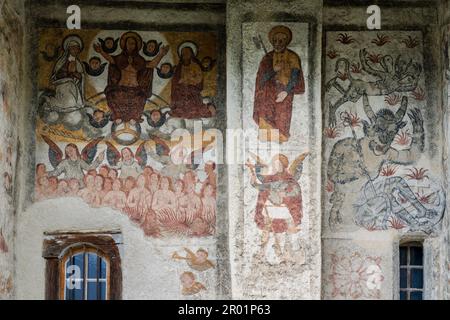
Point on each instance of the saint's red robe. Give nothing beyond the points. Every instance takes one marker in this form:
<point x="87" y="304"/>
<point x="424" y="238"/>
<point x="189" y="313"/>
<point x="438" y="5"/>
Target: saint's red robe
<point x="277" y="115"/>
<point x="128" y="103"/>
<point x="187" y="101"/>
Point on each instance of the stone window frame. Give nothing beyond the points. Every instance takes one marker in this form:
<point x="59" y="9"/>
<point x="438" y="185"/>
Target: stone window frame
<point x="57" y="246"/>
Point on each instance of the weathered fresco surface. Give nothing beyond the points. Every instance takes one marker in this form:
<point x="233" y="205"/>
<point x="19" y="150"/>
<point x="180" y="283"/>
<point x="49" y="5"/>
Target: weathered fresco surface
<point x="446" y="99"/>
<point x="276" y="220"/>
<point x="10" y="72"/>
<point x="353" y="272"/>
<point x="111" y="107"/>
<point x="195" y="272"/>
<point x="379" y="173"/>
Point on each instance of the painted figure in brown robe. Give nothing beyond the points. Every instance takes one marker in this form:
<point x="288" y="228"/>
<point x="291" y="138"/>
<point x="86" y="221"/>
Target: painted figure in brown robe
<point x="279" y="78"/>
<point x="130" y="79"/>
<point x="187" y="86"/>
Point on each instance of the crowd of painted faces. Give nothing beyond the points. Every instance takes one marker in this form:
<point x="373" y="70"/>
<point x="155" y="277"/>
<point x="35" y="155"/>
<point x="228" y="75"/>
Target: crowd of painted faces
<point x="159" y="203"/>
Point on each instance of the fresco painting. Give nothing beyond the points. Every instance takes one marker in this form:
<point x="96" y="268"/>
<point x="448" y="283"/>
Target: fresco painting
<point x="276" y="115"/>
<point x="109" y="104"/>
<point x="353" y="275"/>
<point x="278" y="79"/>
<point x="378" y="173"/>
<point x="194" y="282"/>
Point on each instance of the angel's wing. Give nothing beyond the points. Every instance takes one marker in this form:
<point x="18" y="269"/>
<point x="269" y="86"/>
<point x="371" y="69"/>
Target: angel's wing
<point x="55" y="155"/>
<point x="112" y="154"/>
<point x="296" y="168"/>
<point x="141" y="155"/>
<point x="90" y="150"/>
<point x="101" y="68"/>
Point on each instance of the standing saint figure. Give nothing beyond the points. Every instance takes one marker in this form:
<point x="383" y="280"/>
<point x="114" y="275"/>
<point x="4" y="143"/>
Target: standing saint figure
<point x="130" y="78"/>
<point x="279" y="78"/>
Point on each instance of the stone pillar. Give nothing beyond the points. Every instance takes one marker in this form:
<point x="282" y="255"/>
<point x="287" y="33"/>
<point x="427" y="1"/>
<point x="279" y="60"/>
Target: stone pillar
<point x="266" y="261"/>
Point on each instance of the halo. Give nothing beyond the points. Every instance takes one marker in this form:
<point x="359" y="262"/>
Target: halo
<point x="131" y="34"/>
<point x="280" y="29"/>
<point x="189" y="44"/>
<point x="72" y="38"/>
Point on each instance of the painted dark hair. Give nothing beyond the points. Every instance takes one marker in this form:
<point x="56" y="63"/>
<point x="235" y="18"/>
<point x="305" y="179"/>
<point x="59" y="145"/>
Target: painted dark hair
<point x="72" y="145"/>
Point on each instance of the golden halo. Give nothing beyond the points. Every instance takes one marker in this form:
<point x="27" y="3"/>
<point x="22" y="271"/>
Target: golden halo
<point x="188" y="44"/>
<point x="130" y="34"/>
<point x="280" y="29"/>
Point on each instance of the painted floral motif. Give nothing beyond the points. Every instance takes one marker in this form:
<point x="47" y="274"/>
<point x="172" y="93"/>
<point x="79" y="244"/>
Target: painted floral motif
<point x="356" y="276"/>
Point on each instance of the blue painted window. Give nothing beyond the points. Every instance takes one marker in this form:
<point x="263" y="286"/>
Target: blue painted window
<point x="411" y="271"/>
<point x="86" y="275"/>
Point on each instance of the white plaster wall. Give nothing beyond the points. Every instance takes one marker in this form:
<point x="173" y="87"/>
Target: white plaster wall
<point x="147" y="268"/>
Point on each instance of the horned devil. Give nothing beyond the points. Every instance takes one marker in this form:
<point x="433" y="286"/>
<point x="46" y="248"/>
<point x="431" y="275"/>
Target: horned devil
<point x="353" y="158"/>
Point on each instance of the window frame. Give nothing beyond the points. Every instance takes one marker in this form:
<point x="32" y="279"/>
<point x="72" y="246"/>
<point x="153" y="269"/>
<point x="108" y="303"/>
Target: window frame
<point x="58" y="247"/>
<point x="77" y="249"/>
<point x="409" y="266"/>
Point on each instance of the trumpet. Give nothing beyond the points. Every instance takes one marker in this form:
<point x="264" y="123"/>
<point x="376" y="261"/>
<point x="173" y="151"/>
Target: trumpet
<point x="176" y="256"/>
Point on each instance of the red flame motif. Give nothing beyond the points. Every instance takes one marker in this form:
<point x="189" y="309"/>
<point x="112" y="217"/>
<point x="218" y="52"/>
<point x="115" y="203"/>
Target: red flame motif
<point x="388" y="170"/>
<point x="344" y="38"/>
<point x="410" y="42"/>
<point x="392" y="99"/>
<point x="332" y="132"/>
<point x="375" y="58"/>
<point x="381" y="40"/>
<point x="356" y="68"/>
<point x="351" y="119"/>
<point x="332" y="54"/>
<point x="417" y="174"/>
<point x="425" y="199"/>
<point x="403" y="138"/>
<point x="418" y="94"/>
<point x="396" y="223"/>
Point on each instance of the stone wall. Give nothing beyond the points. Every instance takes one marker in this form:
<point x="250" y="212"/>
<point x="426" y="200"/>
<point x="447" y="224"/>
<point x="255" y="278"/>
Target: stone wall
<point x="320" y="215"/>
<point x="269" y="263"/>
<point x="10" y="107"/>
<point x="445" y="34"/>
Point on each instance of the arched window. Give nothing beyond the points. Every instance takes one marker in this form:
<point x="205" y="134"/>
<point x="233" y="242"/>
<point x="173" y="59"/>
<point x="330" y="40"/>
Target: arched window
<point x="84" y="274"/>
<point x="83" y="266"/>
<point x="411" y="271"/>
